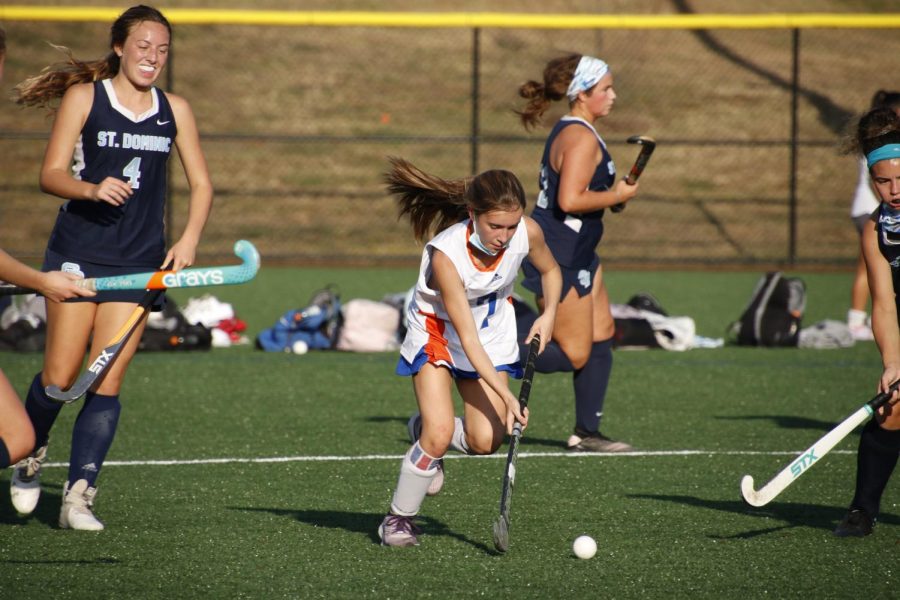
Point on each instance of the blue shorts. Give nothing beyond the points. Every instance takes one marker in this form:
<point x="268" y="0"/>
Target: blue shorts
<point x="580" y="279"/>
<point x="406" y="368"/>
<point x="57" y="262"/>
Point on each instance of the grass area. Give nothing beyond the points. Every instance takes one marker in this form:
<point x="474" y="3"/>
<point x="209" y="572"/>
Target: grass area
<point x="281" y="466"/>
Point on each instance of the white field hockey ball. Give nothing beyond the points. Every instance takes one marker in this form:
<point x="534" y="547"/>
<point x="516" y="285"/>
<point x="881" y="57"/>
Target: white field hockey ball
<point x="300" y="347"/>
<point x="584" y="547"/>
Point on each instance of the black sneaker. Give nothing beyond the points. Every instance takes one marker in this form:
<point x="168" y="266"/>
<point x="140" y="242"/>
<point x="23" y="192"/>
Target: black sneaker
<point x="856" y="523"/>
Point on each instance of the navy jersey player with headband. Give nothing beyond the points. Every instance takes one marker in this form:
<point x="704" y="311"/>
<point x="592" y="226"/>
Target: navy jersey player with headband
<point x="106" y="159"/>
<point x="577" y="184"/>
<point x="878" y="140"/>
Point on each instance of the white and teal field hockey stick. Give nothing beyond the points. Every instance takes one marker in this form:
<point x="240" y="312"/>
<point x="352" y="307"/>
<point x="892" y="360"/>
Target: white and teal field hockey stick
<point x="822" y="447"/>
<point x="167" y="279"/>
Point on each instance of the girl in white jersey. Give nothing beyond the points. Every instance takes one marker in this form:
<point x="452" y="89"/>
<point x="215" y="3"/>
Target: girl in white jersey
<point x="461" y="323"/>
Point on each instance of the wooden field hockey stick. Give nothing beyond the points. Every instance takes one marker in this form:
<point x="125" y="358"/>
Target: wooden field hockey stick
<point x="648" y="145"/>
<point x="812" y="454"/>
<point x="501" y="525"/>
<point x="167" y="279"/>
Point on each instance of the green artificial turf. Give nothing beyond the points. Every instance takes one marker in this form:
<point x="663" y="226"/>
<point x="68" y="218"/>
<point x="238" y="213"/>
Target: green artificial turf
<point x="241" y="474"/>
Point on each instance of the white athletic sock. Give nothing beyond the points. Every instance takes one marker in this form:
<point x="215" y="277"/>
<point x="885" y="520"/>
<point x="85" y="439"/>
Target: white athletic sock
<point x="416" y="473"/>
<point x="856" y="318"/>
<point x="458" y="441"/>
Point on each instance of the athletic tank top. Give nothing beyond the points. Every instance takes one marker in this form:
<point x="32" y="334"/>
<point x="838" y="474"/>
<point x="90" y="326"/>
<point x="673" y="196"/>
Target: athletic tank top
<point x="116" y="143"/>
<point x="485" y="288"/>
<point x="889" y="245"/>
<point x="572" y="238"/>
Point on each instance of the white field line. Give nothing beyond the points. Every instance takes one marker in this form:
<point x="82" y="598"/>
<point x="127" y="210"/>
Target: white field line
<point x="498" y="455"/>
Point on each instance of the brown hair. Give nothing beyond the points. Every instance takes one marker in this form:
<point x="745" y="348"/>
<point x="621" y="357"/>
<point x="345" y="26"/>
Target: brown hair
<point x="433" y="204"/>
<point x="558" y="75"/>
<point x="876" y="128"/>
<point x="2" y="42"/>
<point x="54" y="80"/>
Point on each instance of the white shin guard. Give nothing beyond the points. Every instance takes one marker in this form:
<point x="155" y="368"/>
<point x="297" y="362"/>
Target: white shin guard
<point x="413" y="482"/>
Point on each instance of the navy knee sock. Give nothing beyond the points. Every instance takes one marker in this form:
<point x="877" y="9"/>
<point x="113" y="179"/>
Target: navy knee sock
<point x="590" y="387"/>
<point x="41" y="410"/>
<point x="877" y="457"/>
<point x="4" y="454"/>
<point x="875" y="461"/>
<point x="551" y="360"/>
<point x="92" y="436"/>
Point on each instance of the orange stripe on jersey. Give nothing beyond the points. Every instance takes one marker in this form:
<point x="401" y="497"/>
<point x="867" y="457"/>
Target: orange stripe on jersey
<point x="436" y="346"/>
<point x="474" y="261"/>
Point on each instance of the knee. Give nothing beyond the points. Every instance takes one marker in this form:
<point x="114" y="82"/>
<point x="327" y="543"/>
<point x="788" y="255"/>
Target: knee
<point x="485" y="444"/>
<point x="578" y="356"/>
<point x="435" y="439"/>
<point x="20" y="443"/>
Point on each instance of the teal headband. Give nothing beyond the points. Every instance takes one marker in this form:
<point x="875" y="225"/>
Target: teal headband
<point x="886" y="152"/>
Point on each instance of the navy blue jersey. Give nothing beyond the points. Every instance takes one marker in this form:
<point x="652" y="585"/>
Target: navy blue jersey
<point x="889" y="245"/>
<point x="572" y="238"/>
<point x="114" y="143"/>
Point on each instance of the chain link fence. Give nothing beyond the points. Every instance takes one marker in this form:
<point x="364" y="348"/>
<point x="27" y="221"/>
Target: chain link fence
<point x="297" y="124"/>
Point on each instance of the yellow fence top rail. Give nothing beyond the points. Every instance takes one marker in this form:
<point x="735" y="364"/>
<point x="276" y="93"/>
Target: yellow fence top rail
<point x="192" y="16"/>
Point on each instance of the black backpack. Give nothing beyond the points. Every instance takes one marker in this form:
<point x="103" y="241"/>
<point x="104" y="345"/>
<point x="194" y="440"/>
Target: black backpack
<point x="774" y="313"/>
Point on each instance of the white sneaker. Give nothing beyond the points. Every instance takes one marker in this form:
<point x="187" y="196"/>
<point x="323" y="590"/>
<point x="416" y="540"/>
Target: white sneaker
<point x="76" y="510"/>
<point x="25" y="485"/>
<point x="862" y="333"/>
<point x="414" y="427"/>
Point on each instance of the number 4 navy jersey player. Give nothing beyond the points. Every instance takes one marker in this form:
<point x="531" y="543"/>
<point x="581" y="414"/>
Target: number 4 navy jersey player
<point x="577" y="183"/>
<point x="118" y="130"/>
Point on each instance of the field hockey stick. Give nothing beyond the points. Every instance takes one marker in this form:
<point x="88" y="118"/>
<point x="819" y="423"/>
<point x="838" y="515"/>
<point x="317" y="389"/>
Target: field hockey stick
<point x="648" y="145"/>
<point x="167" y="279"/>
<point x="501" y="525"/>
<point x="822" y="447"/>
<point x="97" y="369"/>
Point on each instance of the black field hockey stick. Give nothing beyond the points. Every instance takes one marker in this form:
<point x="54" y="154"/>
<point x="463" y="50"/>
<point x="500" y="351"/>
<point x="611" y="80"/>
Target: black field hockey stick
<point x="165" y="279"/>
<point x="812" y="454"/>
<point x="648" y="145"/>
<point x="100" y="365"/>
<point x="501" y="525"/>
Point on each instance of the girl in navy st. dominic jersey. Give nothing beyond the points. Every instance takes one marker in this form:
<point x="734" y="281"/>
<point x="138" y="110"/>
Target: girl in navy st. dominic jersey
<point x="577" y="184"/>
<point x="878" y="140"/>
<point x="106" y="158"/>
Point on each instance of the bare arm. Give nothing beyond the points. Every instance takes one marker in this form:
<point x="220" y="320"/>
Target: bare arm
<point x="884" y="307"/>
<point x="551" y="282"/>
<point x="56" y="173"/>
<point x="575" y="155"/>
<point x="55" y="285"/>
<point x="193" y="161"/>
<point x="447" y="282"/>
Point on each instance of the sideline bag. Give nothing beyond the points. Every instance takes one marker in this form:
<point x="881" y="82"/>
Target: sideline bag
<point x="314" y="327"/>
<point x="369" y="326"/>
<point x="171" y="330"/>
<point x="774" y="313"/>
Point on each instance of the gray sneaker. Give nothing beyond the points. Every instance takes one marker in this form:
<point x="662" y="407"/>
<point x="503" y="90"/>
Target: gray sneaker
<point x="414" y="427"/>
<point x="77" y="507"/>
<point x="25" y="484"/>
<point x="595" y="442"/>
<point x="398" y="531"/>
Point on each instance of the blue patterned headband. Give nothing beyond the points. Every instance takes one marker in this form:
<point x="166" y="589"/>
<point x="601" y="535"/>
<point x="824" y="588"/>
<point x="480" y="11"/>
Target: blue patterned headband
<point x="590" y="70"/>
<point x="886" y="152"/>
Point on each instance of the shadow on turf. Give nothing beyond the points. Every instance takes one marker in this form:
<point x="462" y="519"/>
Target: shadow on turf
<point x="787" y="421"/>
<point x="792" y="515"/>
<point x="47" y="511"/>
<point x="360" y="522"/>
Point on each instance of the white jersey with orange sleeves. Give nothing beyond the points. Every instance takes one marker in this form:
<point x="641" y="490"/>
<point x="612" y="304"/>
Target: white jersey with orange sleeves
<point x="489" y="293"/>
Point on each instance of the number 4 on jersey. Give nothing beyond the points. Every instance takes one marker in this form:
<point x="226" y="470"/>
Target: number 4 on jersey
<point x="133" y="172"/>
